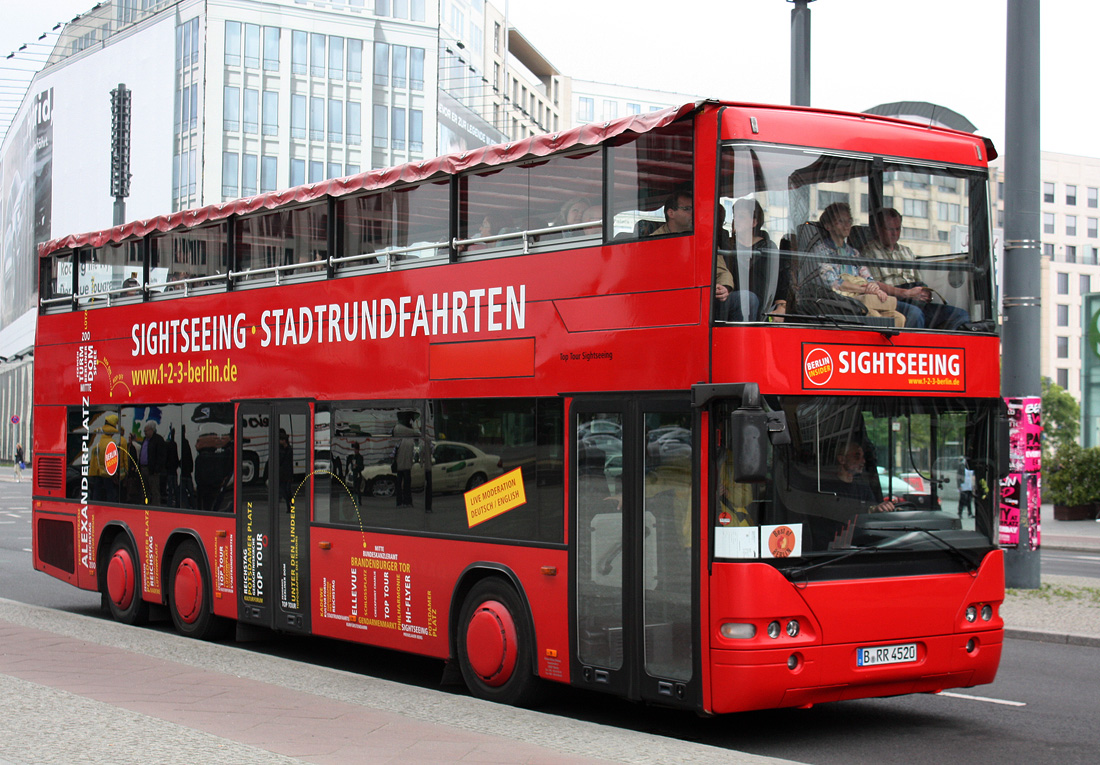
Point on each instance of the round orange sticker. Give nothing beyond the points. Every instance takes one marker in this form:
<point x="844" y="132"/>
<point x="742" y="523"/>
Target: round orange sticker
<point x="818" y="366"/>
<point x="724" y="518"/>
<point x="781" y="542"/>
<point x="110" y="458"/>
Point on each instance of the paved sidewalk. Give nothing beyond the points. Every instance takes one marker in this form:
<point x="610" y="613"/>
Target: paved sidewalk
<point x="78" y="689"/>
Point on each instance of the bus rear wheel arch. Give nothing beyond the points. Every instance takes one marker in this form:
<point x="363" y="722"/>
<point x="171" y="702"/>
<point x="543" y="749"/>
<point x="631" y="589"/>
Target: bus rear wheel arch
<point x="495" y="645"/>
<point x="189" y="593"/>
<point x="121" y="584"/>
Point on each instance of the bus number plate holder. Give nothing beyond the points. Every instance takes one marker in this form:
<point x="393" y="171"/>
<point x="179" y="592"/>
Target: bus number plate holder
<point x="886" y="654"/>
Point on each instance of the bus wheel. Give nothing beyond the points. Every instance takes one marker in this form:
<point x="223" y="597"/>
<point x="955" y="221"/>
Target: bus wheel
<point x="189" y="601"/>
<point x="122" y="585"/>
<point x="495" y="649"/>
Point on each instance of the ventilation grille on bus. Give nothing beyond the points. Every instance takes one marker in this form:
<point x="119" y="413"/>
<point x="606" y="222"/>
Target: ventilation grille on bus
<point x="49" y="472"/>
<point x="55" y="544"/>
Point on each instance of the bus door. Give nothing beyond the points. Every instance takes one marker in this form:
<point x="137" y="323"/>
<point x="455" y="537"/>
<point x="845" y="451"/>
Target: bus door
<point x="631" y="530"/>
<point x="274" y="440"/>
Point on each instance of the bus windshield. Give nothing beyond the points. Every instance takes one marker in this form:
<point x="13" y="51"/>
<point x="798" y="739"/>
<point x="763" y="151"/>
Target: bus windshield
<point x="897" y="474"/>
<point x="808" y="235"/>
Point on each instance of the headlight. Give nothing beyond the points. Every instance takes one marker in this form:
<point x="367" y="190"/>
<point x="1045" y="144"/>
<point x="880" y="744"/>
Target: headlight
<point x="736" y="631"/>
<point x="793" y="628"/>
<point x="987" y="613"/>
<point x="773" y="630"/>
<point x="971" y="613"/>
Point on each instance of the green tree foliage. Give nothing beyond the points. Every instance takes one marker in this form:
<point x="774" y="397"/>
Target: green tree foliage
<point x="1061" y="420"/>
<point x="1074" y="477"/>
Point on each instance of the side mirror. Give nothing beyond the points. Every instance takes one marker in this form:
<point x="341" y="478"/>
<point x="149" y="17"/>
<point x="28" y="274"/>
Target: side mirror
<point x="751" y="430"/>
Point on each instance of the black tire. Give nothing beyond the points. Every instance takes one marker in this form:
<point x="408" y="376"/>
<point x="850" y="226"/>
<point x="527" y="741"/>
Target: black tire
<point x="189" y="598"/>
<point x="494" y="625"/>
<point x="250" y="468"/>
<point x="122" y="583"/>
<point x="476" y="480"/>
<point x="383" y="486"/>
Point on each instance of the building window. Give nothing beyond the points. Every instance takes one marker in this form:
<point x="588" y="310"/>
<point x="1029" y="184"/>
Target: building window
<point x="1094" y="197"/>
<point x="336" y="120"/>
<point x="610" y="109"/>
<point x="1048" y="251"/>
<point x="1092" y="227"/>
<point x="271" y="49"/>
<point x="1086" y="284"/>
<point x="268" y="171"/>
<point x="249" y="171"/>
<point x="1071" y="225"/>
<point x="297" y="172"/>
<point x="1063" y="347"/>
<point x="297" y="117"/>
<point x="231" y="109"/>
<point x="381" y="63"/>
<point x="397" y="133"/>
<point x="1063" y="284"/>
<point x="230" y="175"/>
<point x="251" y="46"/>
<point x="416" y="130"/>
<point x="355" y="120"/>
<point x="316" y="119"/>
<point x="1048" y="223"/>
<point x="316" y="171"/>
<point x="232" y="43"/>
<point x="915" y="208"/>
<point x="1063" y="378"/>
<point x="1048" y="192"/>
<point x="271" y="112"/>
<point x="947" y="211"/>
<point x="299" y="53"/>
<point x="1071" y="195"/>
<point x="416" y="10"/>
<point x="1071" y="253"/>
<point x="1063" y="315"/>
<point x="355" y="60"/>
<point x="334" y="169"/>
<point x="400" y="64"/>
<point x="496" y="37"/>
<point x="317" y="55"/>
<point x="586" y="109"/>
<point x="351" y="169"/>
<point x="1092" y="255"/>
<point x="416" y="69"/>
<point x="381" y="126"/>
<point x="251" y="110"/>
<point x="336" y="58"/>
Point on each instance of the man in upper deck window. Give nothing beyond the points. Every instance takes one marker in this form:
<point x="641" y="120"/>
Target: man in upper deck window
<point x="678" y="214"/>
<point x="903" y="281"/>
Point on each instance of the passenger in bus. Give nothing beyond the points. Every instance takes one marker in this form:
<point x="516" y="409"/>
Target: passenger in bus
<point x="484" y="230"/>
<point x="678" y="214"/>
<point x="572" y="212"/>
<point x="903" y="281"/>
<point x="593" y="214"/>
<point x="835" y="268"/>
<point x="749" y="242"/>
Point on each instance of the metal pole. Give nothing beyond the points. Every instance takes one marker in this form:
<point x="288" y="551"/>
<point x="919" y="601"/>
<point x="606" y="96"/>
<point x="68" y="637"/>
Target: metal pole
<point x="800" y="52"/>
<point x="1021" y="336"/>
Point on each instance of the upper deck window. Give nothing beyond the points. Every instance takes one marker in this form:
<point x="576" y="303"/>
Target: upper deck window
<point x="110" y="273"/>
<point x="402" y="224"/>
<point x="291" y="241"/>
<point x="188" y="258"/>
<point x="646" y="171"/>
<point x="803" y="235"/>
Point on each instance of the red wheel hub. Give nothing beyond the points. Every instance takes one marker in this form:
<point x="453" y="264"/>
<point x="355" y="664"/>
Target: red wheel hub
<point x="187" y="591"/>
<point x="121" y="579"/>
<point x="491" y="643"/>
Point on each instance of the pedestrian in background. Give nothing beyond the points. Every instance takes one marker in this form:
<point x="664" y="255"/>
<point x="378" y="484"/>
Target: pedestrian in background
<point x="19" y="464"/>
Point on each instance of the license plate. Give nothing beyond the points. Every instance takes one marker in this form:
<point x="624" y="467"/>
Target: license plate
<point x="886" y="654"/>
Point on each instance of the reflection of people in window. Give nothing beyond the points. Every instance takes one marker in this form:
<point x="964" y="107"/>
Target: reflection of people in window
<point x="403" y="457"/>
<point x="733" y="498"/>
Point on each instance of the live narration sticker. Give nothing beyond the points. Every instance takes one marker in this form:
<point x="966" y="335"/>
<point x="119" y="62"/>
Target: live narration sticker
<point x="495" y="497"/>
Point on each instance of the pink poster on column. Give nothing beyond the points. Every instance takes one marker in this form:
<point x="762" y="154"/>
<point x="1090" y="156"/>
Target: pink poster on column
<point x="1009" y="523"/>
<point x="1034" y="494"/>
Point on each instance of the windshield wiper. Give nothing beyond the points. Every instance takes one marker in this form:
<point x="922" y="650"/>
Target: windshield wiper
<point x="851" y="551"/>
<point x="956" y="551"/>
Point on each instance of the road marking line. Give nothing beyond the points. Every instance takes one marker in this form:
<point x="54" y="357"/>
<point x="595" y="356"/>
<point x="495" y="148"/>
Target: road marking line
<point x="982" y="698"/>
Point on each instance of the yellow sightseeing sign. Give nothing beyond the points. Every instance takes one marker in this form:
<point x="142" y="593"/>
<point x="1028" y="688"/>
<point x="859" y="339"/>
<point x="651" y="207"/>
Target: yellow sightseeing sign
<point x="495" y="497"/>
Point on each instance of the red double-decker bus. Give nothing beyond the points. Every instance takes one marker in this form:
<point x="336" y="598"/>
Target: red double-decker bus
<point x="699" y="408"/>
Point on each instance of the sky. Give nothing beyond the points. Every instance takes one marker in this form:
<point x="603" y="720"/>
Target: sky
<point x="949" y="52"/>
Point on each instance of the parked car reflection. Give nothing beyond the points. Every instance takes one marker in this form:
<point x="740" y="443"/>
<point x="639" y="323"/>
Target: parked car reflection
<point x="455" y="467"/>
